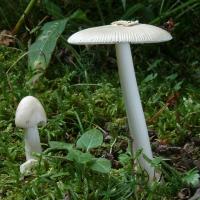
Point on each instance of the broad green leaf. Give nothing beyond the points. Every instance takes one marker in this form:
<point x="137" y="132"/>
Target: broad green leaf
<point x="60" y="145"/>
<point x="79" y="157"/>
<point x="41" y="50"/>
<point x="90" y="139"/>
<point x="101" y="165"/>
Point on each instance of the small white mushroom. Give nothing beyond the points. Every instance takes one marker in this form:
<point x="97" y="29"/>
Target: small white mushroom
<point x="122" y="33"/>
<point x="30" y="113"/>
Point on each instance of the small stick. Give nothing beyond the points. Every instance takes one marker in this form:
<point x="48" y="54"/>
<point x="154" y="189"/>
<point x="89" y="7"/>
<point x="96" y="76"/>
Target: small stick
<point x="171" y="100"/>
<point x="22" y="18"/>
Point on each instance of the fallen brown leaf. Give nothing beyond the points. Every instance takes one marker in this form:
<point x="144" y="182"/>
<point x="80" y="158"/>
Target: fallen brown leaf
<point x="6" y="38"/>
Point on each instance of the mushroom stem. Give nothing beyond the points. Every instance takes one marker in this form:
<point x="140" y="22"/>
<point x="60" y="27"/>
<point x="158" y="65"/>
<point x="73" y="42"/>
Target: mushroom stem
<point x="136" y="119"/>
<point x="32" y="142"/>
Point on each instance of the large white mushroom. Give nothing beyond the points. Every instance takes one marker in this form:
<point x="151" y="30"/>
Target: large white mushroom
<point x="122" y="33"/>
<point x="30" y="113"/>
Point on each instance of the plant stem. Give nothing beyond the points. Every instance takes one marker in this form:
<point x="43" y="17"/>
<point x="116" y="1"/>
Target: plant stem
<point x="24" y="15"/>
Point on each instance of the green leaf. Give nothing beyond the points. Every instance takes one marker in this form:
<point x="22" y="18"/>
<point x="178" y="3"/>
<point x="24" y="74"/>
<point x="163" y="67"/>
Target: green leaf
<point x="79" y="157"/>
<point x="60" y="145"/>
<point x="41" y="50"/>
<point x="150" y="77"/>
<point x="90" y="139"/>
<point x="79" y="15"/>
<point x="53" y="9"/>
<point x="124" y="159"/>
<point x="59" y="175"/>
<point x="192" y="177"/>
<point x="101" y="165"/>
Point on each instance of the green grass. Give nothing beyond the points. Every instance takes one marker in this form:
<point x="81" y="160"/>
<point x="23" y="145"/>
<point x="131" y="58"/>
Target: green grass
<point x="75" y="101"/>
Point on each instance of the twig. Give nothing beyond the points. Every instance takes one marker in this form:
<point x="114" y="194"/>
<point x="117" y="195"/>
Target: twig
<point x="170" y="101"/>
<point x="24" y="15"/>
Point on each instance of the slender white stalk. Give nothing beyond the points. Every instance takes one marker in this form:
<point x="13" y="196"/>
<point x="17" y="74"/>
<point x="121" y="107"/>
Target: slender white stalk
<point x="32" y="142"/>
<point x="136" y="119"/>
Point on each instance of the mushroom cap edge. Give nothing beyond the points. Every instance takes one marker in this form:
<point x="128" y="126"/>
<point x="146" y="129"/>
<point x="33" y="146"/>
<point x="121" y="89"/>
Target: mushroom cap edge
<point x="113" y="34"/>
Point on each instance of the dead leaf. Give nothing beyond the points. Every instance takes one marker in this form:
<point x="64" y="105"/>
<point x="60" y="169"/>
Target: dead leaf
<point x="184" y="193"/>
<point x="6" y="38"/>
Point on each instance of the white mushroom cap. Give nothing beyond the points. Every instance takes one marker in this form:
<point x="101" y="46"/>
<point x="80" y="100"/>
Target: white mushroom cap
<point x="30" y="113"/>
<point x="121" y="31"/>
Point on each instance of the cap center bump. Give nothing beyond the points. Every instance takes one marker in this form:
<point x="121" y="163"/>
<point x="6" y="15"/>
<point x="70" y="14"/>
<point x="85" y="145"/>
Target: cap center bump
<point x="125" y="23"/>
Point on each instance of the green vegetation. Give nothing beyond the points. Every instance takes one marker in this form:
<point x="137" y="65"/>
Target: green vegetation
<point x="79" y="88"/>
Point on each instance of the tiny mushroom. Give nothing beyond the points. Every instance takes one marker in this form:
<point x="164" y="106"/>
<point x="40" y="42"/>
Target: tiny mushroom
<point x="30" y="113"/>
<point x="122" y="33"/>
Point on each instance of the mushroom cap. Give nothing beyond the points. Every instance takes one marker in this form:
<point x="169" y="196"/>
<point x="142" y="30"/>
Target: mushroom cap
<point x="30" y="113"/>
<point x="121" y="31"/>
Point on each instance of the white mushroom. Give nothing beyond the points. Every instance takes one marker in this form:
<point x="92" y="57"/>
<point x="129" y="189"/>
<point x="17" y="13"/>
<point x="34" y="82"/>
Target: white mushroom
<point x="122" y="33"/>
<point x="30" y="113"/>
